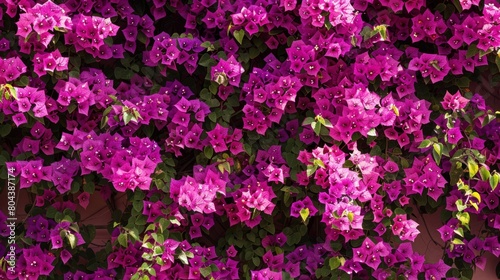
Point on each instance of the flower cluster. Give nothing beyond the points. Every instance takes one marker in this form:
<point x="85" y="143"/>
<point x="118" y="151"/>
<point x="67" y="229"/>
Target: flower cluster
<point x="251" y="18"/>
<point x="168" y="51"/>
<point x="33" y="262"/>
<point x="88" y="34"/>
<point x="424" y="175"/>
<point x="38" y="228"/>
<point x="36" y="26"/>
<point x="49" y="63"/>
<point x="198" y="193"/>
<point x="74" y="89"/>
<point x="63" y="173"/>
<point x="269" y="93"/>
<point x="26" y="98"/>
<point x="227" y="72"/>
<point x="126" y="162"/>
<point x="30" y="172"/>
<point x="65" y="230"/>
<point x="317" y="12"/>
<point x="253" y="196"/>
<point x="12" y="68"/>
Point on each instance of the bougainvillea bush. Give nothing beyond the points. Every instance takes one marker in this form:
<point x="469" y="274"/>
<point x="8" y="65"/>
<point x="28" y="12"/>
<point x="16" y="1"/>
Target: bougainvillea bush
<point x="253" y="139"/>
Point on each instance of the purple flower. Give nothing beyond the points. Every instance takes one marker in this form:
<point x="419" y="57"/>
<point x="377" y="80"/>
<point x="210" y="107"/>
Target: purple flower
<point x="84" y="199"/>
<point x="195" y="232"/>
<point x="227" y="72"/>
<point x="446" y="233"/>
<point x="231" y="251"/>
<point x="19" y="119"/>
<point x="492" y="245"/>
<point x="65" y="256"/>
<point x="436" y="271"/>
<point x="454" y="102"/>
<point x="454" y="135"/>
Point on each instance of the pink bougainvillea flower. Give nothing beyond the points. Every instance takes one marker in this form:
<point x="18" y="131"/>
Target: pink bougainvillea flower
<point x="454" y="135"/>
<point x="84" y="199"/>
<point x="454" y="102"/>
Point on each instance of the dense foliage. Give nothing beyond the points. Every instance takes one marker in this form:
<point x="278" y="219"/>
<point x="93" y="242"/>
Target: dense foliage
<point x="254" y="139"/>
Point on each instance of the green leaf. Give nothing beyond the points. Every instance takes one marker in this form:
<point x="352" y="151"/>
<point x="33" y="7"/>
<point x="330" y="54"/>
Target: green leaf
<point x="462" y="82"/>
<point x="319" y="162"/>
<point x="51" y="212"/>
<point x="213" y="117"/>
<point x="157" y="250"/>
<point x="350" y="216"/>
<point x="472" y="166"/>
<point x="472" y="51"/>
<point x="464" y="218"/>
<point x="270" y="228"/>
<point x="72" y="107"/>
<point x="71" y="240"/>
<point x="5" y="129"/>
<point x="354" y="41"/>
<point x="308" y="121"/>
<point x="23" y="81"/>
<point x="458" y="6"/>
<point x="221" y="79"/>
<point x="127" y="117"/>
<point x="89" y="186"/>
<point x="425" y="144"/>
<point x="488" y="118"/>
<point x="138" y="205"/>
<point x="494" y="178"/>
<point x="183" y="258"/>
<point x="123" y="239"/>
<point x="473" y="204"/>
<point x="206" y="60"/>
<point x="239" y="35"/>
<point x="334" y="263"/>
<point x="400" y="211"/>
<point x="459" y="231"/>
<point x="205" y="271"/>
<point x="457" y="241"/>
<point x="328" y="123"/>
<point x="316" y="127"/>
<point x="367" y="33"/>
<point x="460" y="205"/>
<point x="208" y="45"/>
<point x="311" y="169"/>
<point x="123" y="74"/>
<point x="372" y="132"/>
<point x="455" y="173"/>
<point x="485" y="174"/>
<point x="477" y="196"/>
<point x="437" y="152"/>
<point x="152" y="271"/>
<point x="253" y="53"/>
<point x="304" y="214"/>
<point x="382" y="30"/>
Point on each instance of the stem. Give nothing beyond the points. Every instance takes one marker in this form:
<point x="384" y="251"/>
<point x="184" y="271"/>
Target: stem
<point x="95" y="213"/>
<point x="97" y="245"/>
<point x="428" y="232"/>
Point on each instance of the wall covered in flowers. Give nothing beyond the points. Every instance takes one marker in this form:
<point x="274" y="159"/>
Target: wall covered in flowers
<point x="259" y="139"/>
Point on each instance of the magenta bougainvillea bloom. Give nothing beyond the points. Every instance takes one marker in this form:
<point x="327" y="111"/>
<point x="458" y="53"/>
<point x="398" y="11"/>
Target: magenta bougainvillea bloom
<point x="454" y="102"/>
<point x="227" y="72"/>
